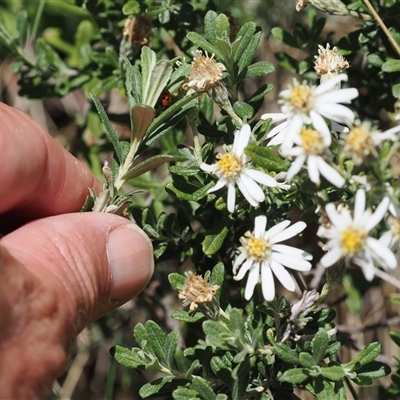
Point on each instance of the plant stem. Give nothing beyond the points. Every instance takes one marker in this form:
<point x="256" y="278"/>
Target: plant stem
<point x="383" y="26"/>
<point x="38" y="17"/>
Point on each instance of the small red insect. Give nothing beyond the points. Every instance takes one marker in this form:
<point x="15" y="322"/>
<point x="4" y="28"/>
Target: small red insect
<point x="165" y="99"/>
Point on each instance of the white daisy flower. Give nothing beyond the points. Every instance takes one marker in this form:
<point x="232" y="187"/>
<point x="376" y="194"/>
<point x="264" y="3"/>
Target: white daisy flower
<point x="231" y="169"/>
<point x="261" y="252"/>
<point x="348" y="237"/>
<point x="312" y="147"/>
<point x="362" y="140"/>
<point x="303" y="104"/>
<point x="391" y="238"/>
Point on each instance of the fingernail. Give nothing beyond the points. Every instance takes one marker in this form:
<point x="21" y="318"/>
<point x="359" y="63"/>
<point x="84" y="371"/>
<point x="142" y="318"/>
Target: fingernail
<point x="130" y="256"/>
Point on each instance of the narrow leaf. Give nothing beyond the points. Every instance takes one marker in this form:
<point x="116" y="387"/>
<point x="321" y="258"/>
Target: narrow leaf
<point x="286" y="354"/>
<point x="156" y="338"/>
<point x="199" y="41"/>
<point x="147" y="165"/>
<point x="320" y="345"/>
<point x="333" y="373"/>
<point x="154" y="387"/>
<point x="171" y="343"/>
<point x="141" y="118"/>
<point x="212" y="243"/>
<point x="148" y="59"/>
<point x="306" y="360"/>
<point x="110" y="130"/>
<point x="366" y="355"/>
<point x="159" y="79"/>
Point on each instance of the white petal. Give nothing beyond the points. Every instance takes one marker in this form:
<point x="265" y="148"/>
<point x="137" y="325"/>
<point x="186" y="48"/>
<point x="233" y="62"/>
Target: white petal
<point x="241" y="140"/>
<point x="250" y="190"/>
<point x="231" y="200"/>
<point x="294" y="251"/>
<point x="295" y="167"/>
<point x="313" y="171"/>
<point x="367" y="268"/>
<point x="209" y="168"/>
<point x="260" y="224"/>
<point x="239" y="260"/>
<point x="339" y="220"/>
<point x="359" y="206"/>
<point x="331" y="257"/>
<point x="330" y="173"/>
<point x="289" y="232"/>
<point x="276" y="229"/>
<point x="283" y="276"/>
<point x="243" y="269"/>
<point x="252" y="281"/>
<point x="291" y="261"/>
<point x="383" y="252"/>
<point x="336" y="112"/>
<point x="267" y="282"/>
<point x="276" y="117"/>
<point x="277" y="129"/>
<point x="321" y="126"/>
<point x="378" y="214"/>
<point x="221" y="183"/>
<point x="329" y="84"/>
<point x="260" y="177"/>
<point x="338" y="96"/>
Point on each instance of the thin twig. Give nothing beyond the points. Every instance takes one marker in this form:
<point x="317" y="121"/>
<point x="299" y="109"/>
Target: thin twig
<point x="383" y="26"/>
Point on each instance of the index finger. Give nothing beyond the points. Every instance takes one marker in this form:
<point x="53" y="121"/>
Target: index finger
<point x="38" y="177"/>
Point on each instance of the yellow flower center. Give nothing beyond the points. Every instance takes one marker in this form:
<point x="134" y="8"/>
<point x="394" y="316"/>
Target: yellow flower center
<point x="256" y="248"/>
<point x="301" y="98"/>
<point x="353" y="240"/>
<point x="311" y="141"/>
<point x="359" y="142"/>
<point x="230" y="165"/>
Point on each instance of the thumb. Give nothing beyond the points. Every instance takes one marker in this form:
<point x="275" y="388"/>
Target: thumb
<point x="56" y="275"/>
<point x="97" y="261"/>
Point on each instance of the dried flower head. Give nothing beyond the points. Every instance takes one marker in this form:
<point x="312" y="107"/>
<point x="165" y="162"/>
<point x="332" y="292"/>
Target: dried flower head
<point x="138" y="30"/>
<point x="206" y="72"/>
<point x="301" y="5"/>
<point x="197" y="290"/>
<point x="329" y="63"/>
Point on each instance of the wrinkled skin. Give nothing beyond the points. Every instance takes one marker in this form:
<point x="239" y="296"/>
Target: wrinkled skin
<point x="59" y="269"/>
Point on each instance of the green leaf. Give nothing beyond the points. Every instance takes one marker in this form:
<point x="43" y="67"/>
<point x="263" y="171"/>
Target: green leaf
<point x="127" y="358"/>
<point x="140" y="334"/>
<point x="391" y="66"/>
<point x="141" y="118"/>
<point x="184" y="394"/>
<point x="213" y="242"/>
<point x="177" y="281"/>
<point x="192" y="368"/>
<point x="210" y="27"/>
<point x="133" y="83"/>
<point x="333" y="373"/>
<point x="243" y="110"/>
<point x="323" y="390"/>
<point x="373" y="370"/>
<point x="320" y="345"/>
<point x="171" y="343"/>
<point x="249" y="51"/>
<point x="219" y="335"/>
<point x="284" y="36"/>
<point x="306" y="360"/>
<point x="243" y="40"/>
<point x="217" y="277"/>
<point x="202" y="43"/>
<point x="241" y="377"/>
<point x="156" y="338"/>
<point x="286" y="354"/>
<point x="203" y="388"/>
<point x="222" y="367"/>
<point x="148" y="59"/>
<point x="110" y="130"/>
<point x="396" y="90"/>
<point x="185" y="316"/>
<point x="147" y="165"/>
<point x="258" y="69"/>
<point x="294" y="376"/>
<point x="159" y="78"/>
<point x="222" y="26"/>
<point x="154" y="387"/>
<point x="266" y="158"/>
<point x="194" y="196"/>
<point x="366" y="355"/>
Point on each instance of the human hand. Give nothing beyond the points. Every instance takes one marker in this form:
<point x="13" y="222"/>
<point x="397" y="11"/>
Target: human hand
<point x="59" y="269"/>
